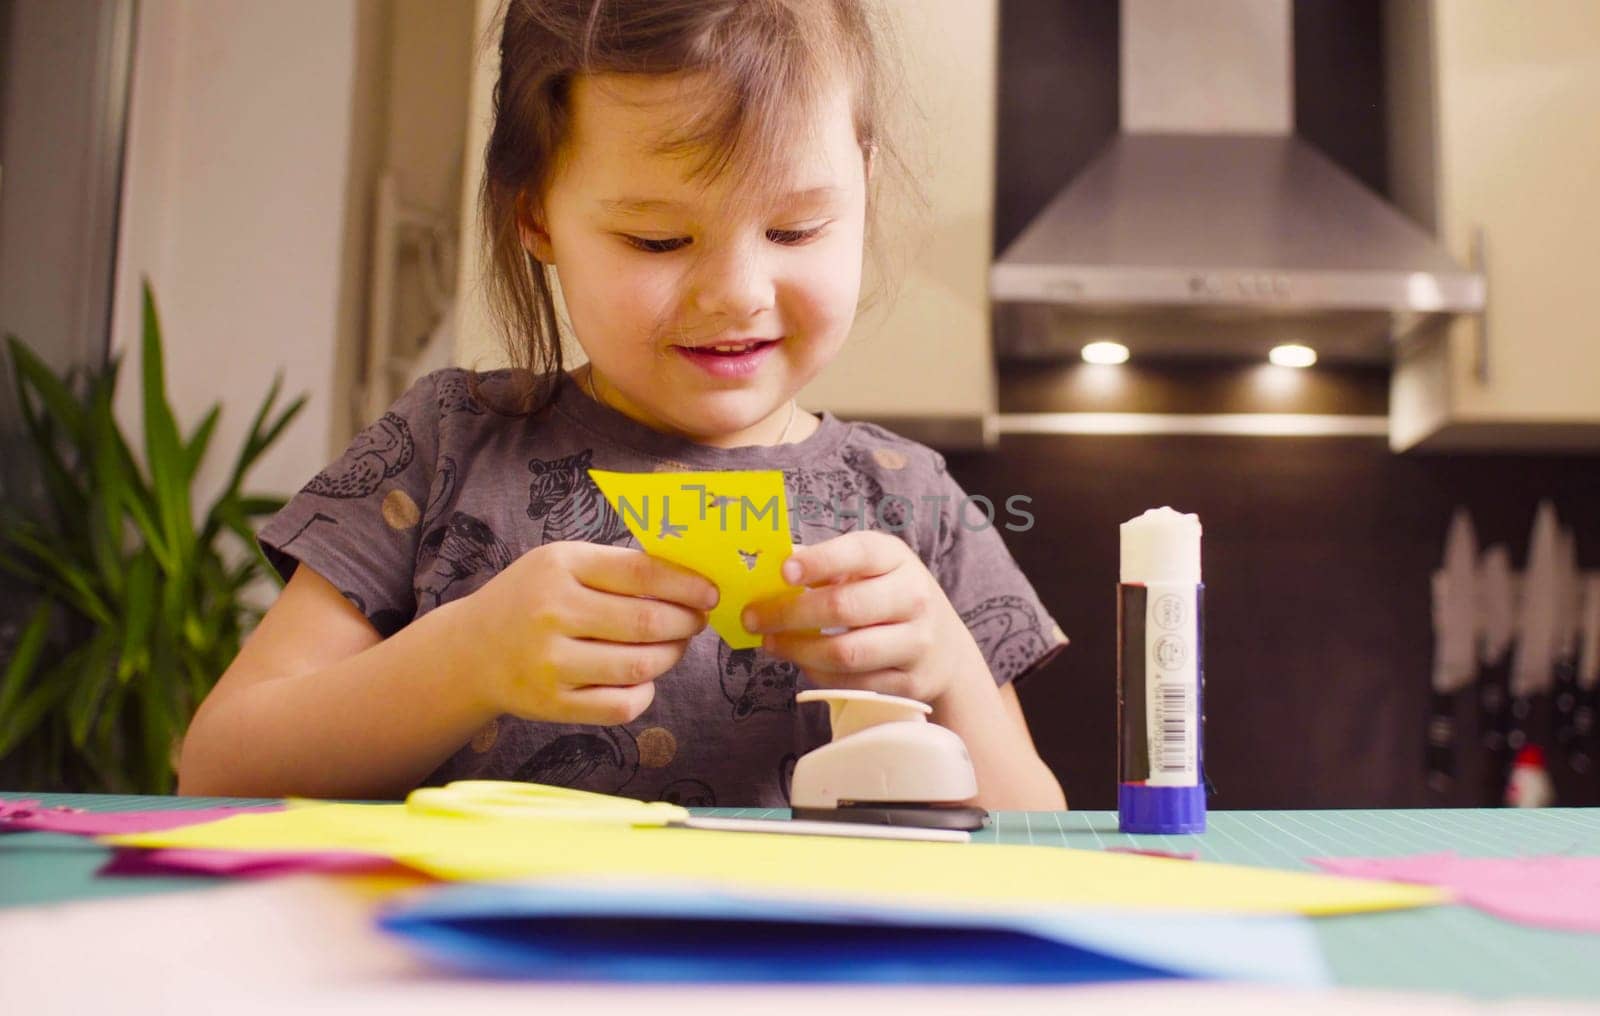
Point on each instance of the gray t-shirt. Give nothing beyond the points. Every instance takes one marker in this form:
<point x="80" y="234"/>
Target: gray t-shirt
<point x="429" y="502"/>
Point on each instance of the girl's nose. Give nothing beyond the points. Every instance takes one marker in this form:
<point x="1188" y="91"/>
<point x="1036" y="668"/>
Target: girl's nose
<point x="733" y="284"/>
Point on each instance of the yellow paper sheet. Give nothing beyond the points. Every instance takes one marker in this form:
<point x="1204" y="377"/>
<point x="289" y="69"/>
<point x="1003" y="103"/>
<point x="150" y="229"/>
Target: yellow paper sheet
<point x="948" y="874"/>
<point x="732" y="527"/>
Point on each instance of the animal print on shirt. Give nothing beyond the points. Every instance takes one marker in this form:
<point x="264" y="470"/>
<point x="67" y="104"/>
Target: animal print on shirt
<point x="689" y="794"/>
<point x="381" y="451"/>
<point x="1007" y="630"/>
<point x="887" y="512"/>
<point x="460" y="548"/>
<point x="385" y="622"/>
<point x="444" y="487"/>
<point x="786" y="775"/>
<point x="754" y="682"/>
<point x="606" y="757"/>
<point x="570" y="504"/>
<point x="454" y="395"/>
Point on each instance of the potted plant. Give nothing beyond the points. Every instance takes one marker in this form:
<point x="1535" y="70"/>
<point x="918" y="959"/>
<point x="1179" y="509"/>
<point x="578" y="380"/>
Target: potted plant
<point x="136" y="605"/>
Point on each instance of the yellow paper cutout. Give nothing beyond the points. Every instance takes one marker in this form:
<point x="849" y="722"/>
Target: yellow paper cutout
<point x="732" y="527"/>
<point x="945" y="874"/>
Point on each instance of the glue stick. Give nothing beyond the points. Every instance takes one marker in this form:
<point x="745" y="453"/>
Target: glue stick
<point x="1160" y="676"/>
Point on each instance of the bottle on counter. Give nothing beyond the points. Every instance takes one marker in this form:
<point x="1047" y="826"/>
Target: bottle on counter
<point x="1160" y="676"/>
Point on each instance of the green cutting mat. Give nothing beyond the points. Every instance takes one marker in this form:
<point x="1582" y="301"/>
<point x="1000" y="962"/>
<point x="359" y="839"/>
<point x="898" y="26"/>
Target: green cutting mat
<point x="1434" y="949"/>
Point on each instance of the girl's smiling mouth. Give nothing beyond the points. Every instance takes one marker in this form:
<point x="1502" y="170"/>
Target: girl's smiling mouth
<point x="729" y="359"/>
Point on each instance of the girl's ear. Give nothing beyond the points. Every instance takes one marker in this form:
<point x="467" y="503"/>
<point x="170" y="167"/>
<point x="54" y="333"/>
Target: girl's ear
<point x="869" y="156"/>
<point x="531" y="231"/>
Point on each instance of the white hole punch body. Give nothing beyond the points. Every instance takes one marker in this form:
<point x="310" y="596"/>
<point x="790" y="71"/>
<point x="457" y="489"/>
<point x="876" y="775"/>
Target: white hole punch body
<point x="884" y="749"/>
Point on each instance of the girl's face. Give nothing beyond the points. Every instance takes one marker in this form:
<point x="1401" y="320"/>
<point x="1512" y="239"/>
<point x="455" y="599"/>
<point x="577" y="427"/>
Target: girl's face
<point x="656" y="268"/>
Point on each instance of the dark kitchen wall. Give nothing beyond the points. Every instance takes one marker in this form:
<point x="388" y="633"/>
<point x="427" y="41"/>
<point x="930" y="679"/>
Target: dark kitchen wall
<point x="1059" y="88"/>
<point x="1317" y="550"/>
<point x="1317" y="554"/>
<point x="1057" y="101"/>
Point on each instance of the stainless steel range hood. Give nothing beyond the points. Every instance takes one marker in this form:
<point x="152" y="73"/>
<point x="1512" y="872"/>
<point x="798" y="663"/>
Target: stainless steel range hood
<point x="1206" y="228"/>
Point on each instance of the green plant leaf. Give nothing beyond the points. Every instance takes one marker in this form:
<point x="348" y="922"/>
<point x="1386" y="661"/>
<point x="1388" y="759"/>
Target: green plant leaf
<point x="163" y="450"/>
<point x="23" y="659"/>
<point x="146" y="612"/>
<point x="12" y="564"/>
<point x="259" y="439"/>
<point x="153" y="537"/>
<point x="235" y="521"/>
<point x="141" y="505"/>
<point x="61" y="485"/>
<point x="57" y="397"/>
<point x="195" y="451"/>
<point x="159" y="727"/>
<point x="17" y="722"/>
<point x="252" y="507"/>
<point x="93" y="673"/>
<point x="269" y="437"/>
<point x="65" y="576"/>
<point x="140" y="612"/>
<point x="108" y="493"/>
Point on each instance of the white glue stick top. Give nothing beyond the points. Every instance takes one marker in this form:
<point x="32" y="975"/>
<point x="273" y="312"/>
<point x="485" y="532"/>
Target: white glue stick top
<point x="1161" y="546"/>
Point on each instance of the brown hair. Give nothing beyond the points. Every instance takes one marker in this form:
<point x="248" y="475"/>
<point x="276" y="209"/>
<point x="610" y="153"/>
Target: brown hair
<point x="768" y="62"/>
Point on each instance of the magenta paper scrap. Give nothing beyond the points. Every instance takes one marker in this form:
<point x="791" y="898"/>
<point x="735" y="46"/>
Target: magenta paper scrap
<point x="241" y="863"/>
<point x="30" y="816"/>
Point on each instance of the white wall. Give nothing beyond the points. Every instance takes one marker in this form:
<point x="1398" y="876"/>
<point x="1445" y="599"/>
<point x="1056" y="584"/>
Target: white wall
<point x="238" y="205"/>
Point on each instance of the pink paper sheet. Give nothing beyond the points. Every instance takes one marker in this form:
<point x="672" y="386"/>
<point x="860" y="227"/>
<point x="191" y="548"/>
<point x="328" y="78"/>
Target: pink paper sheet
<point x="241" y="863"/>
<point x="1547" y="891"/>
<point x="29" y="816"/>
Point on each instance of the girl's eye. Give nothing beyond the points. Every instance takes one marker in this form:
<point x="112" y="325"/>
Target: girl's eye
<point x="792" y="236"/>
<point x="656" y="246"/>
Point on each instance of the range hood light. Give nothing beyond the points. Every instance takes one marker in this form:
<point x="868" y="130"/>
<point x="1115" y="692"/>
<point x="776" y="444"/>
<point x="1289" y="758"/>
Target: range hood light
<point x="1206" y="227"/>
<point x="1292" y="354"/>
<point x="1105" y="352"/>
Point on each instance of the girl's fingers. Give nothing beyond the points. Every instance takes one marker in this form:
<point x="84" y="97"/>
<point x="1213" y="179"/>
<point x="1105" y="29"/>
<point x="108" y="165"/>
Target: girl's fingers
<point x="878" y="600"/>
<point x="586" y="662"/>
<point x="864" y="650"/>
<point x="632" y="572"/>
<point x="611" y="617"/>
<point x="861" y="554"/>
<point x="608" y="705"/>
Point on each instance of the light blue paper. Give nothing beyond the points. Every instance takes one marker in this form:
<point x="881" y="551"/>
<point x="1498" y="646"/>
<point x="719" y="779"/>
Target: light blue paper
<point x="515" y="929"/>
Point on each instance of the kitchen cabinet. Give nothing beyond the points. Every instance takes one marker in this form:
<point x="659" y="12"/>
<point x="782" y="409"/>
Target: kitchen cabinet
<point x="919" y="357"/>
<point x="1495" y="136"/>
<point x="921" y="361"/>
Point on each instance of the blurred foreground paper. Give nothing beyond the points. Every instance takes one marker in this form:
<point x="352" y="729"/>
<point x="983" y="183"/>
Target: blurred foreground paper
<point x="190" y="951"/>
<point x="732" y="527"/>
<point x="626" y="931"/>
<point x="1549" y="891"/>
<point x="304" y="945"/>
<point x="940" y="874"/>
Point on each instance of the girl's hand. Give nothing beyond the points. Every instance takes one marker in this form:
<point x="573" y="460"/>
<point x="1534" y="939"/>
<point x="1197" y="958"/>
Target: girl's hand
<point x="904" y="637"/>
<point x="576" y="632"/>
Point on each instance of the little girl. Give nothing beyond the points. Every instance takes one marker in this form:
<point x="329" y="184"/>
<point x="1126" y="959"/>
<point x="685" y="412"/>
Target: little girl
<point x="461" y="600"/>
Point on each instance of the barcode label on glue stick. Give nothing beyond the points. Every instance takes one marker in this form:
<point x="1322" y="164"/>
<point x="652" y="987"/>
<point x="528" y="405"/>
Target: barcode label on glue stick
<point x="1172" y="684"/>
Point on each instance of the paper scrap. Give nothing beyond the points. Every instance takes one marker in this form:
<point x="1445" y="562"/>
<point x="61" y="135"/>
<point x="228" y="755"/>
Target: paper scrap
<point x="1545" y="891"/>
<point x="591" y="928"/>
<point x="30" y="816"/>
<point x="993" y="875"/>
<point x="242" y="863"/>
<point x="732" y="527"/>
<point x="1177" y="855"/>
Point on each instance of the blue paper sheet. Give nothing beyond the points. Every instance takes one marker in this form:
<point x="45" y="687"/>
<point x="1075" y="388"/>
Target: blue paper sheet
<point x="659" y="932"/>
